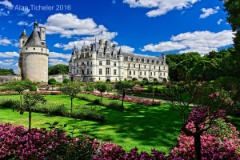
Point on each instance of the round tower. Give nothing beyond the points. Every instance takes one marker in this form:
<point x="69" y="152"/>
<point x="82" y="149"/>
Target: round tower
<point x="33" y="59"/>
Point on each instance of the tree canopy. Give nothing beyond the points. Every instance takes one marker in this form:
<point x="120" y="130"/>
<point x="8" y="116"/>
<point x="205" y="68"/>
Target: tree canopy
<point x="58" y="69"/>
<point x="4" y="71"/>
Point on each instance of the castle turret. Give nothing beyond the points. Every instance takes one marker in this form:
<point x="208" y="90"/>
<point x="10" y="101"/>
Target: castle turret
<point x="33" y="59"/>
<point x="23" y="38"/>
<point x="121" y="67"/>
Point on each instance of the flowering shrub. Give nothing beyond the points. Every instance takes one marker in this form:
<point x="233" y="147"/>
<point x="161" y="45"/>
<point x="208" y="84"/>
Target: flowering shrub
<point x="18" y="143"/>
<point x="219" y="142"/>
<point x="112" y="151"/>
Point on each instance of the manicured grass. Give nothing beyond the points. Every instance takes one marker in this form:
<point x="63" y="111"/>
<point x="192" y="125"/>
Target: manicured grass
<point x="140" y="126"/>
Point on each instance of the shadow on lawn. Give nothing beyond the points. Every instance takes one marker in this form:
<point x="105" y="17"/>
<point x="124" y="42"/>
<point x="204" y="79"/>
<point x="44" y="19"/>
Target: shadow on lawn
<point x="150" y="126"/>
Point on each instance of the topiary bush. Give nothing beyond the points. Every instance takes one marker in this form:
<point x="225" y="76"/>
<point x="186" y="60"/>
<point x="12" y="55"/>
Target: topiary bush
<point x="66" y="80"/>
<point x="52" y="81"/>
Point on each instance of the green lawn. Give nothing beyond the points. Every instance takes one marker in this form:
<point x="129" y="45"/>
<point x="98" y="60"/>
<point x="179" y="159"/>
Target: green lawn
<point x="141" y="126"/>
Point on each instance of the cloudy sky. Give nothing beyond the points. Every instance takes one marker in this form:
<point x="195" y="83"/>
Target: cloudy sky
<point x="145" y="27"/>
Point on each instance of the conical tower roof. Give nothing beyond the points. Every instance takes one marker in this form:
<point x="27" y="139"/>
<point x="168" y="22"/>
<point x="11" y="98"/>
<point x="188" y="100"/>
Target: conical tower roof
<point x="24" y="34"/>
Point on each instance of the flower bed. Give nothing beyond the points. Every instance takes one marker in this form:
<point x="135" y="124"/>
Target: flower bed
<point x="141" y="101"/>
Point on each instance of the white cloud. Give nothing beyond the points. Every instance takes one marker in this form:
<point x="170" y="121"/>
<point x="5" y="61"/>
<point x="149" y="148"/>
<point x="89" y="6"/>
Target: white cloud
<point x="219" y="21"/>
<point x="53" y="62"/>
<point x="22" y="23"/>
<point x="59" y="55"/>
<point x="6" y="63"/>
<point x="126" y="49"/>
<point x="160" y="7"/>
<point x="6" y="3"/>
<point x="198" y="41"/>
<point x="68" y="25"/>
<point x="8" y="54"/>
<point x="5" y="41"/>
<point x="208" y="11"/>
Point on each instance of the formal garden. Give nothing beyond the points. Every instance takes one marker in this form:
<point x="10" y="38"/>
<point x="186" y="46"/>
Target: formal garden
<point x="102" y="120"/>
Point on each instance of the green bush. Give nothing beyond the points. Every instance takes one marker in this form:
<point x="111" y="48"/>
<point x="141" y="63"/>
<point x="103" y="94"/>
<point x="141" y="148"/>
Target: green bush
<point x="66" y="80"/>
<point x="52" y="81"/>
<point x="114" y="105"/>
<point x="97" y="101"/>
<point x="87" y="113"/>
<point x="33" y="87"/>
<point x="8" y="103"/>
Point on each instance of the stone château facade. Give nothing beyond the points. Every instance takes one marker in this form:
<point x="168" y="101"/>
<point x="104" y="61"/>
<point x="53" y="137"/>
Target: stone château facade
<point x="104" y="62"/>
<point x="33" y="57"/>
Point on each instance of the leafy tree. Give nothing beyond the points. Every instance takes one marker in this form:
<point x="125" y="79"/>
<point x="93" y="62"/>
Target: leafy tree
<point x="19" y="86"/>
<point x="29" y="102"/>
<point x="207" y="104"/>
<point x="152" y="89"/>
<point x="122" y="87"/>
<point x="233" y="17"/>
<point x="58" y="69"/>
<point x="4" y="71"/>
<point x="89" y="87"/>
<point x="52" y="82"/>
<point x="101" y="87"/>
<point x="71" y="89"/>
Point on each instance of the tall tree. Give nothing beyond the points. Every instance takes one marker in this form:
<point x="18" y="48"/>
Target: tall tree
<point x="122" y="87"/>
<point x="233" y="17"/>
<point x="30" y="101"/>
<point x="71" y="89"/>
<point x="101" y="87"/>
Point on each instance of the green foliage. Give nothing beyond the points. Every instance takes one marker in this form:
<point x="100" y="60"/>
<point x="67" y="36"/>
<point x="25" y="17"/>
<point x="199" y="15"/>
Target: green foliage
<point x="71" y="89"/>
<point x="233" y="18"/>
<point x="66" y="80"/>
<point x="101" y="86"/>
<point x="29" y="102"/>
<point x="58" y="69"/>
<point x="4" y="71"/>
<point x="52" y="81"/>
<point x="114" y="105"/>
<point x="9" y="103"/>
<point x="89" y="87"/>
<point x="33" y="87"/>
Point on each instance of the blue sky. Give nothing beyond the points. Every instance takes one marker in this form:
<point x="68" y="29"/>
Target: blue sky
<point x="149" y="27"/>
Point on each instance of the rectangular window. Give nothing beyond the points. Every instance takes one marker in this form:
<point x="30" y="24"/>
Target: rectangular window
<point x="107" y="71"/>
<point x="100" y="63"/>
<point x="133" y="65"/>
<point x="108" y="62"/>
<point x="145" y="66"/>
<point x="133" y="72"/>
<point x="164" y="73"/>
<point x="154" y="67"/>
<point x="129" y="72"/>
<point x="154" y="73"/>
<point x="115" y="72"/>
<point x="100" y="71"/>
<point x="128" y="65"/>
<point x="145" y="73"/>
<point x="87" y="71"/>
<point x="115" y="64"/>
<point x="140" y="73"/>
<point x="139" y="66"/>
<point x="87" y="63"/>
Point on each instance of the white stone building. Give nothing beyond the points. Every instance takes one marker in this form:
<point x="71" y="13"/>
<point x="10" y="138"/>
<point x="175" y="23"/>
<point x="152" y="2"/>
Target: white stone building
<point x="103" y="62"/>
<point x="33" y="57"/>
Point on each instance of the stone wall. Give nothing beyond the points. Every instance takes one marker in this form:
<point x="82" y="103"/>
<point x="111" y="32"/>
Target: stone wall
<point x="9" y="78"/>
